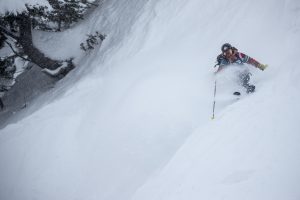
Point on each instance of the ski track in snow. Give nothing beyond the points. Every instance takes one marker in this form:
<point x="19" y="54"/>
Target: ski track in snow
<point x="133" y="120"/>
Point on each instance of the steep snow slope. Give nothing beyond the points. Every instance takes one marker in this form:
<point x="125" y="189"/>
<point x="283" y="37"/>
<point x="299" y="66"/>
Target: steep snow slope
<point x="149" y="89"/>
<point x="252" y="150"/>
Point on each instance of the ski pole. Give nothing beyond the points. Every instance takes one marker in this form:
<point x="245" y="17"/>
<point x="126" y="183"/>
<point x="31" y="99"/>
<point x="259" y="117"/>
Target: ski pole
<point x="214" y="103"/>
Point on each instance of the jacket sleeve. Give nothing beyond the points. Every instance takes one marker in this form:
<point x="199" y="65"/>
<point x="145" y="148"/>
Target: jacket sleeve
<point x="221" y="60"/>
<point x="247" y="59"/>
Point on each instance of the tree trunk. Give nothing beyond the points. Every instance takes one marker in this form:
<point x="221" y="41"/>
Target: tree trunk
<point x="34" y="54"/>
<point x="59" y="25"/>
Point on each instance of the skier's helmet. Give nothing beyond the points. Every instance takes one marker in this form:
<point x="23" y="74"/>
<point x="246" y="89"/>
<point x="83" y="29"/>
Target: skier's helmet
<point x="225" y="47"/>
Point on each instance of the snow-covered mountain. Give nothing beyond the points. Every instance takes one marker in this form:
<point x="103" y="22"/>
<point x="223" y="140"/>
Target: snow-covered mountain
<point x="133" y="120"/>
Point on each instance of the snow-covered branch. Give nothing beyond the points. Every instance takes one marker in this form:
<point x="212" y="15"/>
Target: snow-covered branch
<point x="7" y="32"/>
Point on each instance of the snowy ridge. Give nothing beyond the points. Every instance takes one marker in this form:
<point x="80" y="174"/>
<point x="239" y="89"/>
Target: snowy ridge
<point x="137" y="125"/>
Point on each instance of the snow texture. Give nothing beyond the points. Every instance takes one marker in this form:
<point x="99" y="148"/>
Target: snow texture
<point x="133" y="120"/>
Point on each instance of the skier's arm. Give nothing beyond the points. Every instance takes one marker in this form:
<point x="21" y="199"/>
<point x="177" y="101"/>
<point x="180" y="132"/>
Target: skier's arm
<point x="247" y="59"/>
<point x="221" y="63"/>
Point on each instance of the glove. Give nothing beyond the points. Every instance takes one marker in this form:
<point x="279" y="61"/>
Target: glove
<point x="262" y="66"/>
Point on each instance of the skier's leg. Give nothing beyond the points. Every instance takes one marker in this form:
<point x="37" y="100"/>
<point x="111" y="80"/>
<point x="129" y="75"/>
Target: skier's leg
<point x="245" y="78"/>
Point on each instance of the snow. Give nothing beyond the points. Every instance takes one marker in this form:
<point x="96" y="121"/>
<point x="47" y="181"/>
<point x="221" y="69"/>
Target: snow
<point x="56" y="71"/>
<point x="17" y="6"/>
<point x="133" y="120"/>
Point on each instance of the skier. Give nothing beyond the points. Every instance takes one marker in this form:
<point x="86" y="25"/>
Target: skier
<point x="230" y="55"/>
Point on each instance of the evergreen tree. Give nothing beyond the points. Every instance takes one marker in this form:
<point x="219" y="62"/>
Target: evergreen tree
<point x="16" y="30"/>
